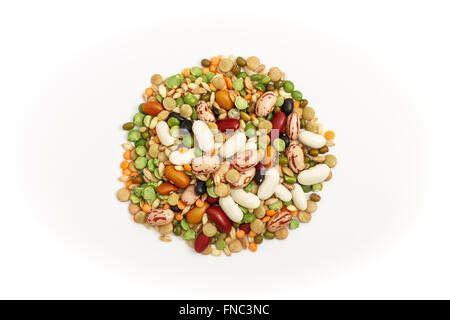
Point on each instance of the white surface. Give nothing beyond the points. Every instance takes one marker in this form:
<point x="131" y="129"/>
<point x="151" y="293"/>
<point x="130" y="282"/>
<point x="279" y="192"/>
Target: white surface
<point x="72" y="73"/>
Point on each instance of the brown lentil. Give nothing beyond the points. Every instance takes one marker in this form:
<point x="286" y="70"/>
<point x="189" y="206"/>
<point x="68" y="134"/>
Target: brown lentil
<point x="281" y="234"/>
<point x="123" y="194"/>
<point x="315" y="197"/>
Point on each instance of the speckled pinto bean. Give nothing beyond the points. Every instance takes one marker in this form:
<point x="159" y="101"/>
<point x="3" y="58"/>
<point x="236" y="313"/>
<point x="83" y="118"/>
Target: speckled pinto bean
<point x="204" y="112"/>
<point x="293" y="126"/>
<point x="245" y="199"/>
<point x="265" y="104"/>
<point x="295" y="156"/>
<point x="201" y="242"/>
<point x="223" y="169"/>
<point x="228" y="125"/>
<point x="189" y="196"/>
<point x="216" y="215"/>
<point x="206" y="164"/>
<point x="160" y="217"/>
<point x="179" y="178"/>
<point x="246" y="159"/>
<point x="245" y="178"/>
<point x="279" y="221"/>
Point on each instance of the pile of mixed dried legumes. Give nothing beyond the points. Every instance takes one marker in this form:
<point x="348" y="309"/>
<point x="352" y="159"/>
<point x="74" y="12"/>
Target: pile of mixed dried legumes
<point x="223" y="155"/>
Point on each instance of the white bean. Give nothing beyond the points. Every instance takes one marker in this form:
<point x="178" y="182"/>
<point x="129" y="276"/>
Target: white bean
<point x="312" y="140"/>
<point x="231" y="209"/>
<point x="162" y="130"/>
<point x="203" y="135"/>
<point x="267" y="188"/>
<point x="250" y="145"/>
<point x="283" y="193"/>
<point x="299" y="197"/>
<point x="245" y="199"/>
<point x="233" y="145"/>
<point x="179" y="159"/>
<point x="314" y="175"/>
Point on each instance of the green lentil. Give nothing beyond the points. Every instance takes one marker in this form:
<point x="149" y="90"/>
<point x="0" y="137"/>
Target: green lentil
<point x="241" y="62"/>
<point x="242" y="75"/>
<point x="205" y="63"/>
<point x="287" y="203"/>
<point x="249" y="217"/>
<point x="180" y="101"/>
<point x="191" y="100"/>
<point x="177" y="229"/>
<point x="269" y="235"/>
<point x="270" y="116"/>
<point x="156" y="173"/>
<point x="283" y="161"/>
<point x="128" y="126"/>
<point x="206" y="97"/>
<point x="279" y="84"/>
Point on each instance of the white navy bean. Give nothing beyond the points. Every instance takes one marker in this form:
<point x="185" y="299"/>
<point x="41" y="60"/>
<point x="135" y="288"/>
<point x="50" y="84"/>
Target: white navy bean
<point x="179" y="159"/>
<point x="162" y="130"/>
<point x="312" y="140"/>
<point x="314" y="175"/>
<point x="282" y="193"/>
<point x="245" y="199"/>
<point x="267" y="188"/>
<point x="299" y="197"/>
<point x="231" y="209"/>
<point x="233" y="145"/>
<point x="203" y="135"/>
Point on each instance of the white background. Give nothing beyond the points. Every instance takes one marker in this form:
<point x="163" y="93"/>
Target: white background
<point x="377" y="73"/>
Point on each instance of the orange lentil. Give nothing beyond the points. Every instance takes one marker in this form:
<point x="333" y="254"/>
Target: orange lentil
<point x="183" y="150"/>
<point x="296" y="104"/>
<point x="127" y="155"/>
<point x="186" y="72"/>
<point x="294" y="213"/>
<point x="149" y="91"/>
<point x="253" y="115"/>
<point x="260" y="92"/>
<point x="212" y="87"/>
<point x="213" y="68"/>
<point x="124" y="164"/>
<point x="181" y="205"/>
<point x="128" y="184"/>
<point x="154" y="131"/>
<point x="252" y="234"/>
<point x="265" y="219"/>
<point x="126" y="172"/>
<point x="253" y="247"/>
<point x="134" y="173"/>
<point x="270" y="213"/>
<point x="215" y="61"/>
<point x="199" y="203"/>
<point x="248" y="97"/>
<point x="166" y="206"/>
<point x="205" y="70"/>
<point x="329" y="135"/>
<point x="157" y="140"/>
<point x="187" y="167"/>
<point x="146" y="208"/>
<point x="228" y="82"/>
<point x="179" y="216"/>
<point x="240" y="234"/>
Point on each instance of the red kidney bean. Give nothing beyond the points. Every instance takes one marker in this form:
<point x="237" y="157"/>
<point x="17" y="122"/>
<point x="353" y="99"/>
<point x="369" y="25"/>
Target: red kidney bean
<point x="211" y="200"/>
<point x="201" y="242"/>
<point x="245" y="227"/>
<point x="228" y="124"/>
<point x="219" y="218"/>
<point x="279" y="121"/>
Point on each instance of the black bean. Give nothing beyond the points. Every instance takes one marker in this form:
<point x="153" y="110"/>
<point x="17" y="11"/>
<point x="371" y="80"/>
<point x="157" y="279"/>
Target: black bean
<point x="259" y="177"/>
<point x="200" y="187"/>
<point x="215" y="112"/>
<point x="176" y="116"/>
<point x="285" y="138"/>
<point x="175" y="209"/>
<point x="288" y="106"/>
<point x="186" y="125"/>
